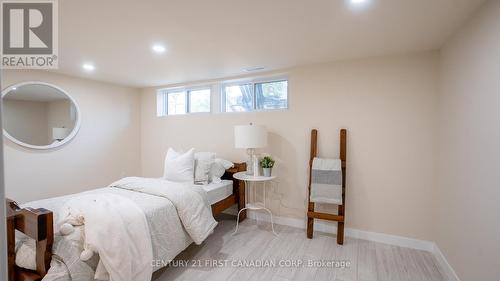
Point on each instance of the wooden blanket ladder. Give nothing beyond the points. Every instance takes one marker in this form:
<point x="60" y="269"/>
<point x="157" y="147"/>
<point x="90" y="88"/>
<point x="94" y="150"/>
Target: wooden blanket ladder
<point x="311" y="214"/>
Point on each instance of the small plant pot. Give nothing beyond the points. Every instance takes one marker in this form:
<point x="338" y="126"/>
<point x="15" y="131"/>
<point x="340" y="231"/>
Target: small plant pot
<point x="267" y="171"/>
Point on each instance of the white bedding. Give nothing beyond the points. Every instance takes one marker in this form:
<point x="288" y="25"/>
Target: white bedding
<point x="110" y="235"/>
<point x="218" y="191"/>
<point x="190" y="201"/>
<point x="168" y="235"/>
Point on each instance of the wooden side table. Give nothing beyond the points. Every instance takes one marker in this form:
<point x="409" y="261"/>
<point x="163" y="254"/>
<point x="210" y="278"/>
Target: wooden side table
<point x="251" y="183"/>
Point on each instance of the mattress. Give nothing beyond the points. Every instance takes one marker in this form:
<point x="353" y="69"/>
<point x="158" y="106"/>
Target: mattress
<point x="218" y="191"/>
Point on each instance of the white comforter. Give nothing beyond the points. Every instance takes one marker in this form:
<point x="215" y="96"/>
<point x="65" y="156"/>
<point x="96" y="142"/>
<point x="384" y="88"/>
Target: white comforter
<point x="168" y="217"/>
<point x="190" y="201"/>
<point x="121" y="237"/>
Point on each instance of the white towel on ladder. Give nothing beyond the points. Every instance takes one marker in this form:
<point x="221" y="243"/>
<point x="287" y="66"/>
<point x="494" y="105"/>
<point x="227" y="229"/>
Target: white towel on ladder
<point x="326" y="181"/>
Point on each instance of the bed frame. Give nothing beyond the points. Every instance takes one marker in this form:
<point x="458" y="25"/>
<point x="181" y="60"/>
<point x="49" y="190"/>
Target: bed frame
<point x="38" y="225"/>
<point x="238" y="196"/>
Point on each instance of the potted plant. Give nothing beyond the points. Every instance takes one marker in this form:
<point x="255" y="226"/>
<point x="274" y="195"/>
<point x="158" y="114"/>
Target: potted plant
<point x="267" y="164"/>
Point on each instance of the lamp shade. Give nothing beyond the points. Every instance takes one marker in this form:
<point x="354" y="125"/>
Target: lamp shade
<point x="59" y="133"/>
<point x="250" y="136"/>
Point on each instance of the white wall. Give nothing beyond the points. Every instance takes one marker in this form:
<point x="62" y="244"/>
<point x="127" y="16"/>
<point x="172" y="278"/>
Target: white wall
<point x="467" y="221"/>
<point x="105" y="149"/>
<point x="387" y="104"/>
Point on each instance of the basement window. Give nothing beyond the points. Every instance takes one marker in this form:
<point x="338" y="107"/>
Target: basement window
<point x="179" y="101"/>
<point x="254" y="96"/>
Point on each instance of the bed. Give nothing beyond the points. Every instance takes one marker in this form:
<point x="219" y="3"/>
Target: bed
<point x="35" y="223"/>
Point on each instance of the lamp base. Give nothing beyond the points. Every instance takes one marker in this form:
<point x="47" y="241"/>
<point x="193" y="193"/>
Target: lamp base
<point x="252" y="163"/>
<point x="249" y="167"/>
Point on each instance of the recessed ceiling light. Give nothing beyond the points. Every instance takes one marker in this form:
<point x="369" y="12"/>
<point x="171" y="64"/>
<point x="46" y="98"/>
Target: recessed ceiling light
<point x="88" y="67"/>
<point x="358" y="3"/>
<point x="157" y="48"/>
<point x="13" y="89"/>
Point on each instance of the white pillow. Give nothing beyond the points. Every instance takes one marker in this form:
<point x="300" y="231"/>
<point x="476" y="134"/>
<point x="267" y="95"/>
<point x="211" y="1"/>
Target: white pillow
<point x="225" y="163"/>
<point x="179" y="167"/>
<point x="203" y="162"/>
<point x="204" y="155"/>
<point x="218" y="169"/>
<point x="216" y="172"/>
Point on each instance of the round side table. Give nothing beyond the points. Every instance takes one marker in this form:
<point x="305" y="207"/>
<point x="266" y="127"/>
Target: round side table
<point x="252" y="181"/>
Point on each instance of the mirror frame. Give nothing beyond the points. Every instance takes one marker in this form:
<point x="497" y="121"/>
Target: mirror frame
<point x="54" y="144"/>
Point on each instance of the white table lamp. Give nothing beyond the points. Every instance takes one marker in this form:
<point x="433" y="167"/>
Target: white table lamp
<point x="250" y="137"/>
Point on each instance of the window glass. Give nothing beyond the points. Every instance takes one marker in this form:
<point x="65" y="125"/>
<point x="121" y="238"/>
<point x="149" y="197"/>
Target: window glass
<point x="238" y="98"/>
<point x="271" y="95"/>
<point x="176" y="103"/>
<point x="199" y="100"/>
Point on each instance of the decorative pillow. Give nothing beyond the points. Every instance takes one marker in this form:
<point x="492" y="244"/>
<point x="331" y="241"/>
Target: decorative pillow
<point x="203" y="162"/>
<point x="179" y="167"/>
<point x="227" y="164"/>
<point x="218" y="169"/>
<point x="216" y="172"/>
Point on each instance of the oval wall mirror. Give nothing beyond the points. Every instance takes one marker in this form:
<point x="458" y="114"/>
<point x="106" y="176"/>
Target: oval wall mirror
<point x="39" y="115"/>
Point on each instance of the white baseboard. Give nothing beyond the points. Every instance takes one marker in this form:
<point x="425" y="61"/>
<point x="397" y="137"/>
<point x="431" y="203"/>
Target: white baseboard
<point x="331" y="227"/>
<point x="441" y="259"/>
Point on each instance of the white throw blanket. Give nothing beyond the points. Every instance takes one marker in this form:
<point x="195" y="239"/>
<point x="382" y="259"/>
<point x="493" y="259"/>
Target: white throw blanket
<point x="326" y="181"/>
<point x="190" y="201"/>
<point x="116" y="229"/>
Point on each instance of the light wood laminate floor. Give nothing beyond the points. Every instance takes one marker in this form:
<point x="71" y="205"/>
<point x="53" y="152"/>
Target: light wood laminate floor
<point x="226" y="257"/>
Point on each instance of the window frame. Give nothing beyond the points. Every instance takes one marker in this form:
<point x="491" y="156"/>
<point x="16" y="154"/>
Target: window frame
<point x="253" y="83"/>
<point x="187" y="90"/>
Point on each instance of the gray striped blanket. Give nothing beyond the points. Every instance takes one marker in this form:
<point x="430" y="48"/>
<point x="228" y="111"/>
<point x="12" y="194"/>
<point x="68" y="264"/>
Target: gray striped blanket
<point x="326" y="181"/>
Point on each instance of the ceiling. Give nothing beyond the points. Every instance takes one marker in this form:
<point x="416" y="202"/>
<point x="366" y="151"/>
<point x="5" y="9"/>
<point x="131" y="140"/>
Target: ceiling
<point x="219" y="38"/>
